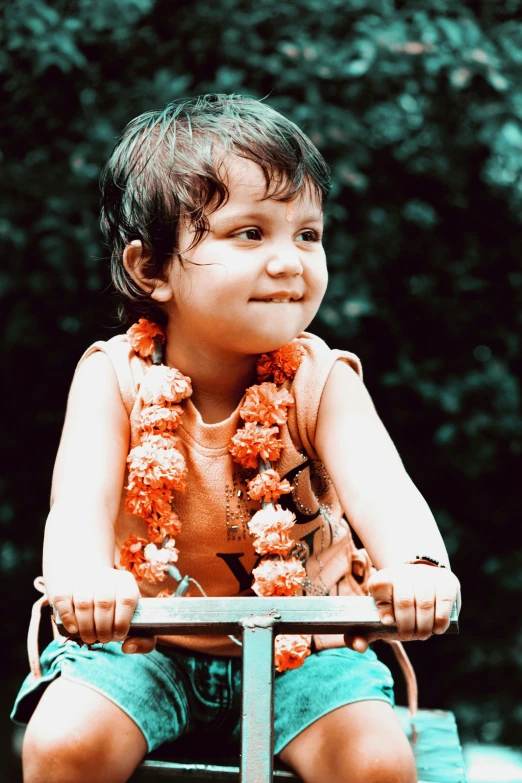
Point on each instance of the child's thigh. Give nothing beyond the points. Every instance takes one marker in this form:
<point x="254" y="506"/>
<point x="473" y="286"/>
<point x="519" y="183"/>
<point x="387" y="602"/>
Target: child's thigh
<point x="149" y="689"/>
<point x="98" y="711"/>
<point x="327" y="680"/>
<point x="361" y="743"/>
<point x="77" y="734"/>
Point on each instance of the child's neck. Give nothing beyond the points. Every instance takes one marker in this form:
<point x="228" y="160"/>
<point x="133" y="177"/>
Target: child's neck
<point x="218" y="381"/>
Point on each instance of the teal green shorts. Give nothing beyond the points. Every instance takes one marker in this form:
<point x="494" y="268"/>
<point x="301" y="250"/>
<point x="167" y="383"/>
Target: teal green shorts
<point x="170" y="692"/>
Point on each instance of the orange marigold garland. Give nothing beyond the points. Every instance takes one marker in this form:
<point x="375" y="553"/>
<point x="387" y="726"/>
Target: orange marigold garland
<point x="156" y="466"/>
<point x="157" y="469"/>
<point x="264" y="410"/>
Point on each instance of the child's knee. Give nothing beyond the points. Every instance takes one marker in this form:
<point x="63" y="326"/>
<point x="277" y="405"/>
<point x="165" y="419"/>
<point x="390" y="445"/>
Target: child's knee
<point x="59" y="747"/>
<point x="379" y="762"/>
<point x="53" y="756"/>
<point x="76" y="734"/>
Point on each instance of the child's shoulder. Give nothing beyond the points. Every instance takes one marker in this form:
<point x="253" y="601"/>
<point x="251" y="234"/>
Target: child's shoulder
<point x="117" y="348"/>
<point x="318" y="359"/>
<point x="128" y="366"/>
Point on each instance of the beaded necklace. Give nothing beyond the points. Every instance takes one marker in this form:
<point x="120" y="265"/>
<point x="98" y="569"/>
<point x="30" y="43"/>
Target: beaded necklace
<point x="157" y="469"/>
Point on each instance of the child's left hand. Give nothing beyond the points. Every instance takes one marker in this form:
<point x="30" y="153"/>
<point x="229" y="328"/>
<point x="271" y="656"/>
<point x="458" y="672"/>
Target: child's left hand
<point x="418" y="598"/>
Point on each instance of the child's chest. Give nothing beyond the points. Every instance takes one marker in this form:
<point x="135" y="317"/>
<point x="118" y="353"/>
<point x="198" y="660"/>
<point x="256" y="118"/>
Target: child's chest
<point x="215" y="545"/>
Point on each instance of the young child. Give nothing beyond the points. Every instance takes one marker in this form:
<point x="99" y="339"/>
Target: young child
<point x="219" y="441"/>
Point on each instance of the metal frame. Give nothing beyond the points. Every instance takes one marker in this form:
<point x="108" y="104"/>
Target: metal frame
<point x="258" y="620"/>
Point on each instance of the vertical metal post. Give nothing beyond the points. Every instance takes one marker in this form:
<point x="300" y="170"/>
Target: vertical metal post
<point x="257" y="700"/>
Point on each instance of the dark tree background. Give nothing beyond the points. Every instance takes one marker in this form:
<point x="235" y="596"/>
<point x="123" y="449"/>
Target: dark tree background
<point x="417" y="106"/>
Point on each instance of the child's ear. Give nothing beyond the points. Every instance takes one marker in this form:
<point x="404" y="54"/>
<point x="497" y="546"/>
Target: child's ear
<point x="135" y="260"/>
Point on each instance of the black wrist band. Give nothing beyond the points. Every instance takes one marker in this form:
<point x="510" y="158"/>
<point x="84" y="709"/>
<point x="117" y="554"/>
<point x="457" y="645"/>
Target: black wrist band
<point x="426" y="560"/>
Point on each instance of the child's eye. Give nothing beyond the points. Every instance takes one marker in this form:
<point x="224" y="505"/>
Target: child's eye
<point x="250" y="234"/>
<point x="309" y="236"/>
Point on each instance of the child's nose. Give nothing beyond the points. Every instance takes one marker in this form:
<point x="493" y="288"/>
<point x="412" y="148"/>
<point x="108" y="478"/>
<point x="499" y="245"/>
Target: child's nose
<point x="284" y="261"/>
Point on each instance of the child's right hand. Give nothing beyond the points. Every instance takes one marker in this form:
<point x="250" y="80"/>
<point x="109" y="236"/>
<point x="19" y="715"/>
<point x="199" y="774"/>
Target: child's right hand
<point x="98" y="607"/>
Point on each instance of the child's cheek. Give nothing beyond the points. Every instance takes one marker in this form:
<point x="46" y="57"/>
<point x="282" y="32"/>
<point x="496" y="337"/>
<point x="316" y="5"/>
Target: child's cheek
<point x="319" y="283"/>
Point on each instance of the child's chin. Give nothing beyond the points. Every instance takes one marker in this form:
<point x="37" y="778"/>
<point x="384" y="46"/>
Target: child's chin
<point x="272" y="343"/>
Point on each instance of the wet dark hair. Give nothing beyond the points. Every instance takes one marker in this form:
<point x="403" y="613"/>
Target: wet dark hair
<point x="167" y="168"/>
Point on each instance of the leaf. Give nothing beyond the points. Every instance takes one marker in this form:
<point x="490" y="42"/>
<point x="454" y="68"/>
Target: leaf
<point x="497" y="80"/>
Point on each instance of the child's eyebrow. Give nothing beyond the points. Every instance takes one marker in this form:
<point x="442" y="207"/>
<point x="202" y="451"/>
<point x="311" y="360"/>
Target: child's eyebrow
<point x="222" y="224"/>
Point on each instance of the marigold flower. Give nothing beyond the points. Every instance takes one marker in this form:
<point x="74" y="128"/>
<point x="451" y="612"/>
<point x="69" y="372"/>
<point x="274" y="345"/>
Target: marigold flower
<point x="157" y="560"/>
<point x="142" y="500"/>
<point x="161" y="440"/>
<point x="160" y="418"/>
<point x="163" y="384"/>
<point x="252" y="442"/>
<point x="165" y="554"/>
<point x="267" y="486"/>
<point x="264" y="367"/>
<point x="290" y="651"/>
<point x="271" y="518"/>
<point x="132" y="554"/>
<point x="273" y="542"/>
<point x="278" y="577"/>
<point x="266" y="404"/>
<point x="270" y="528"/>
<point x="141" y="337"/>
<point x="161" y="526"/>
<point x="282" y="364"/>
<point x="157" y="467"/>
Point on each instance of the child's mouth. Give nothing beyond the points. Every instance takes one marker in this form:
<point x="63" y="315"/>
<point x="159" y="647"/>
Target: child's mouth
<point x="279" y="299"/>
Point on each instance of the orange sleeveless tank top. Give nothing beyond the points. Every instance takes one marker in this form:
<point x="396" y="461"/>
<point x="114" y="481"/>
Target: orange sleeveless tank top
<point x="214" y="545"/>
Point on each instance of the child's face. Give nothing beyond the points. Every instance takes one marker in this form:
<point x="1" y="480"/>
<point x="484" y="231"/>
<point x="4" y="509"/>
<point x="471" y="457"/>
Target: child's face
<point x="256" y="251"/>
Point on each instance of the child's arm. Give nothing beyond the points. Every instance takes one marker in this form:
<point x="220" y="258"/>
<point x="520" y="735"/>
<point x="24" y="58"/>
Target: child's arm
<point x="387" y="511"/>
<point x="93" y="599"/>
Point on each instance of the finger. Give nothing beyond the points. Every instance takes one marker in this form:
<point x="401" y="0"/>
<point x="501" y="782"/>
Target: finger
<point x="424" y="607"/>
<point x="444" y="599"/>
<point x="381" y="590"/>
<point x="104" y="601"/>
<point x="63" y="605"/>
<point x="127" y="595"/>
<point x="404" y="608"/>
<point x="139" y="644"/>
<point x="357" y="643"/>
<point x="83" y="609"/>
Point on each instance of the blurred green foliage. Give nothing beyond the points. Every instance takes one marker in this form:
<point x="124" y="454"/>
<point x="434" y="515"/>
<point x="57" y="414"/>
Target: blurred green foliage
<point x="417" y="106"/>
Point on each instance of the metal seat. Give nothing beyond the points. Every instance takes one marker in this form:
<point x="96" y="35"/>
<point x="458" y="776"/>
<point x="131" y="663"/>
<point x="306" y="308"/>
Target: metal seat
<point x="433" y="733"/>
